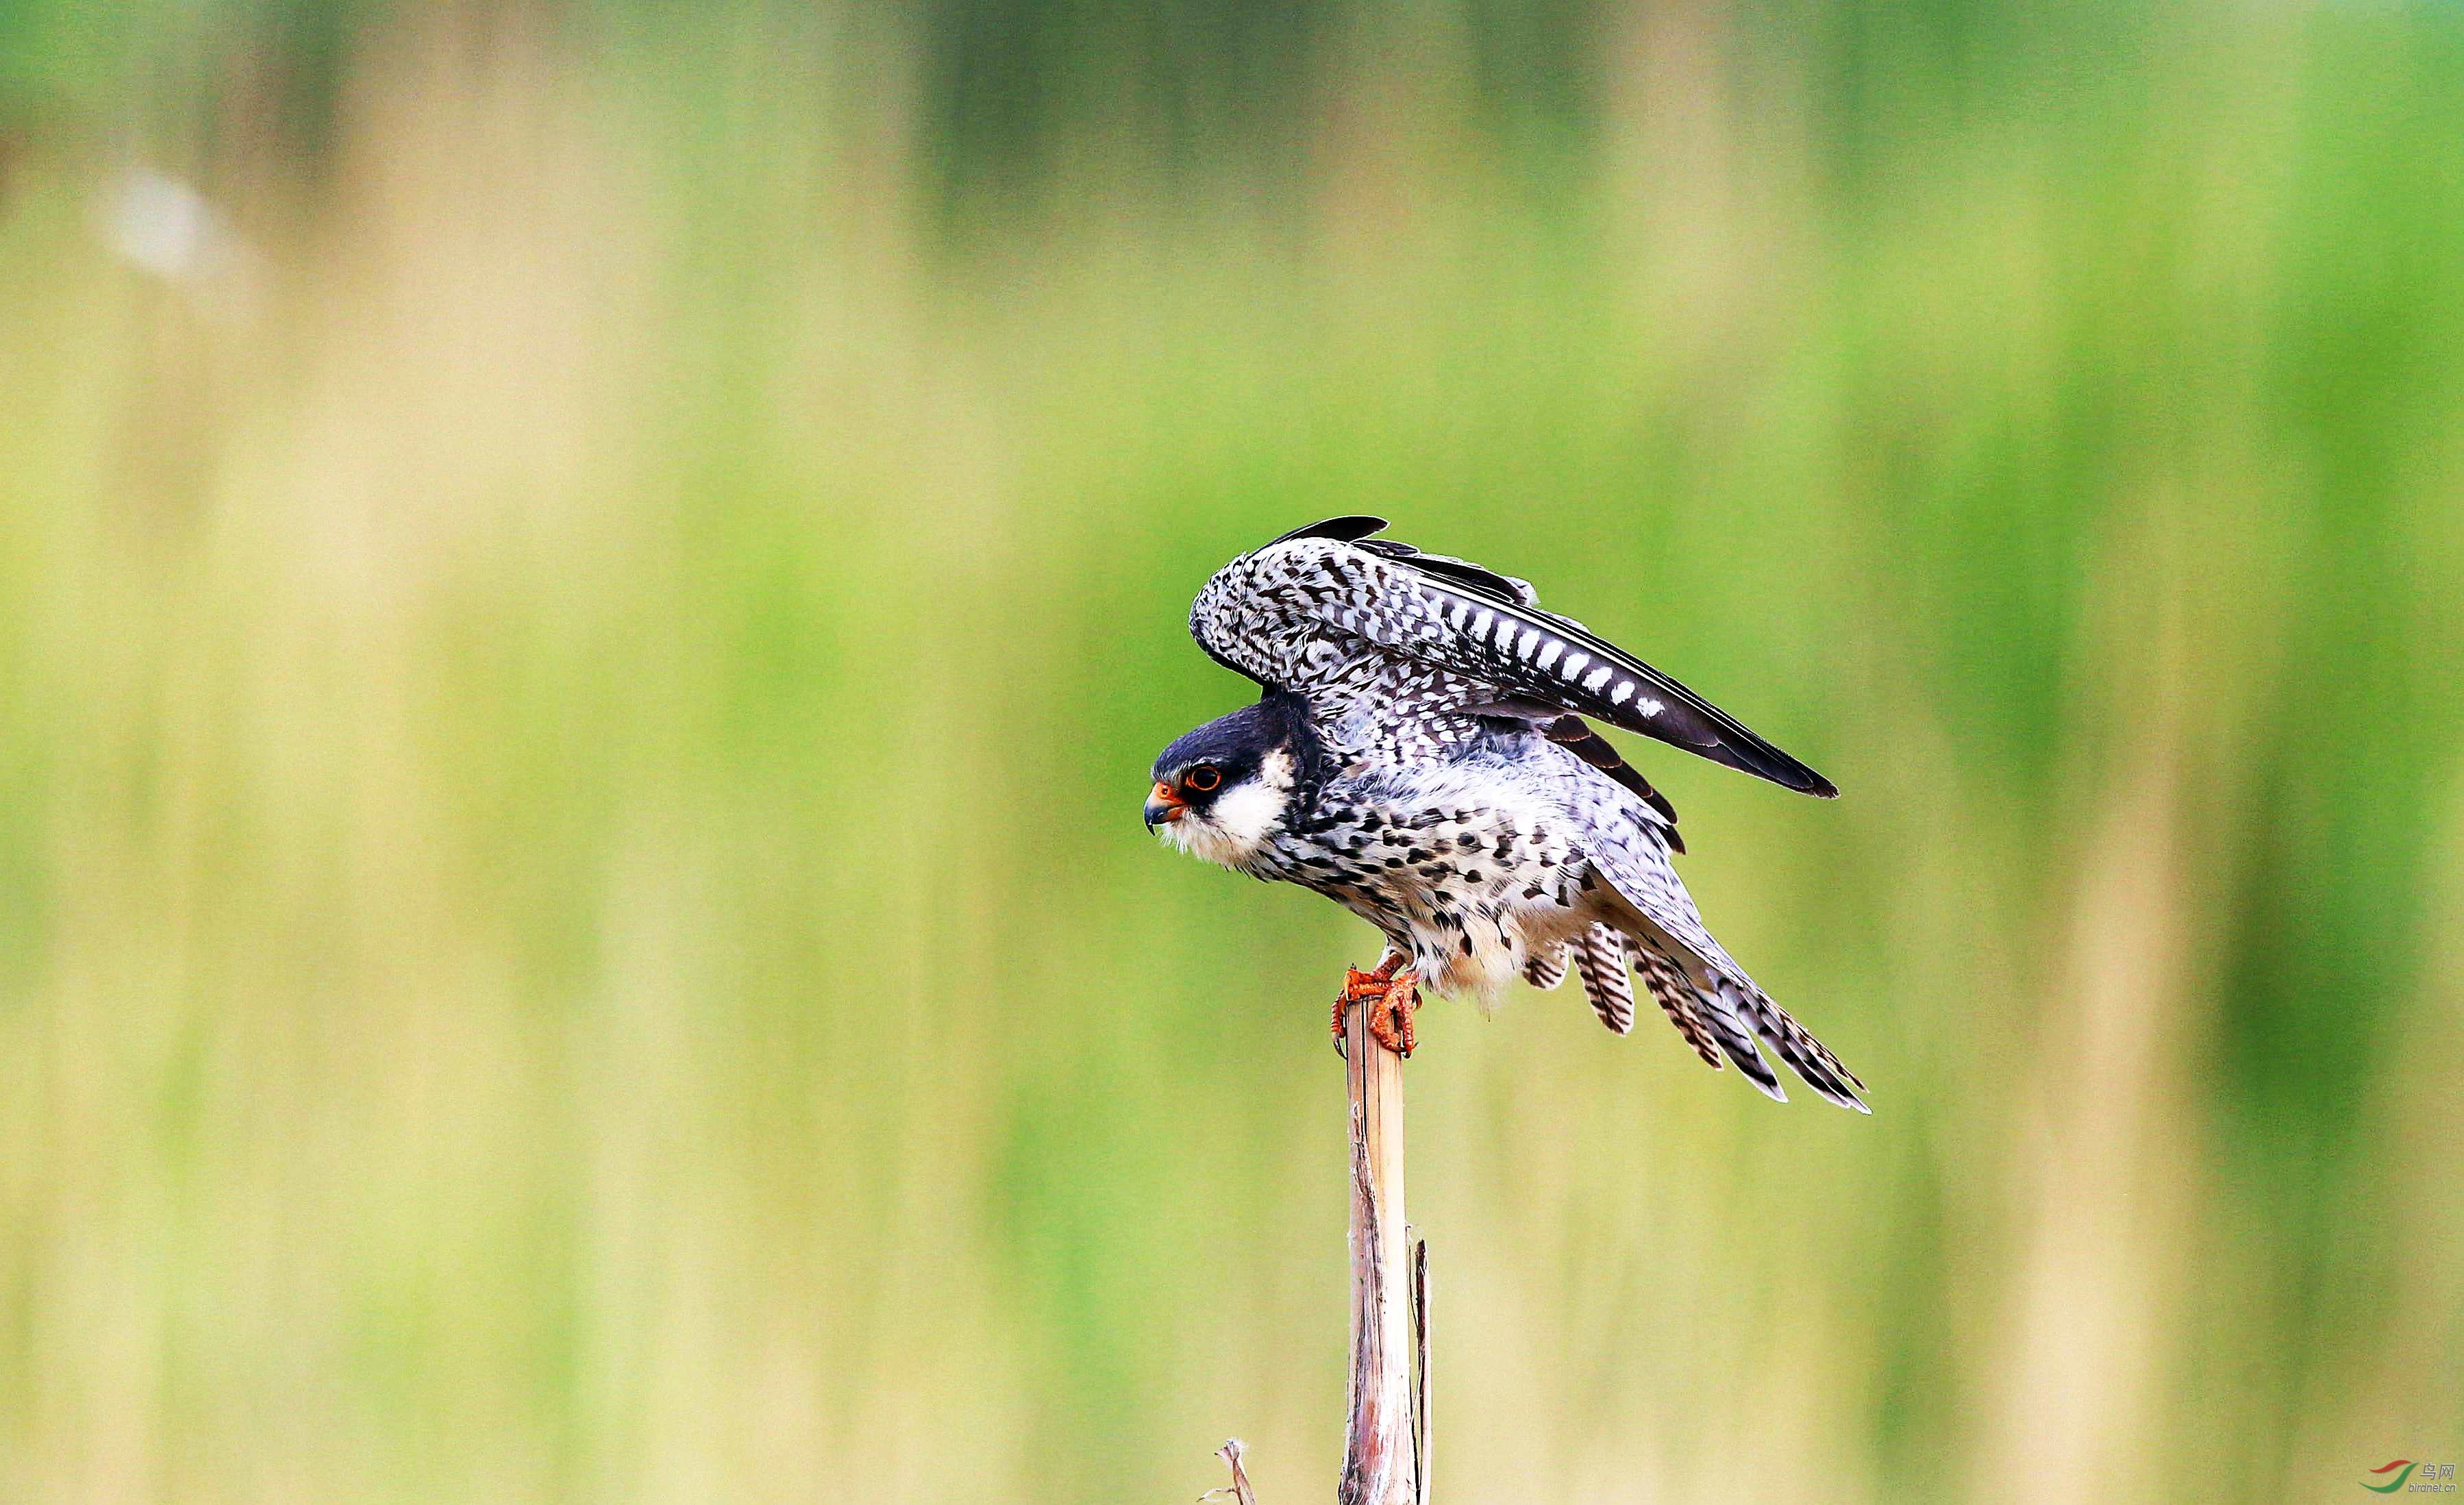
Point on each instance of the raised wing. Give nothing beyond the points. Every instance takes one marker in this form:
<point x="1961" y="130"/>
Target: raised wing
<point x="1297" y="614"/>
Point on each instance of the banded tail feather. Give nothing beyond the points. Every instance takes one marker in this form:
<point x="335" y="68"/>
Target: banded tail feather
<point x="1547" y="968"/>
<point x="1676" y="996"/>
<point x="1599" y="957"/>
<point x="1722" y="1012"/>
<point x="1806" y="1057"/>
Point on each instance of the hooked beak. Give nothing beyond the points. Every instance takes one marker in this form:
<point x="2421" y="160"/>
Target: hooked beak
<point x="1164" y="806"/>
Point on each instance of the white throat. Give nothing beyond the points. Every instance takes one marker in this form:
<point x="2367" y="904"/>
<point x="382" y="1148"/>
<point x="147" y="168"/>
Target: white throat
<point x="1235" y="829"/>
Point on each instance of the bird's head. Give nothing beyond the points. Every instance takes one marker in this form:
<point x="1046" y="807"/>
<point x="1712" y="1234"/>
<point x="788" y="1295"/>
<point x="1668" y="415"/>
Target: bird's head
<point x="1222" y="790"/>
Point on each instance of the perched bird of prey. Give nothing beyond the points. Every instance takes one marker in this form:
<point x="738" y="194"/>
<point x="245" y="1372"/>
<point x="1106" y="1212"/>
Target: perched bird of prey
<point x="1420" y="756"/>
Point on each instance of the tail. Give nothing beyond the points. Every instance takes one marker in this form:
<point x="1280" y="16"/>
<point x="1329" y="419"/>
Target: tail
<point x="1546" y="969"/>
<point x="1599" y="956"/>
<point x="1729" y="1013"/>
<point x="1708" y="996"/>
<point x="1806" y="1057"/>
<point x="1677" y="999"/>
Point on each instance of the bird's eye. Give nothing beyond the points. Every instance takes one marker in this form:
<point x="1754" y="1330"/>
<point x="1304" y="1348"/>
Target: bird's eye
<point x="1202" y="778"/>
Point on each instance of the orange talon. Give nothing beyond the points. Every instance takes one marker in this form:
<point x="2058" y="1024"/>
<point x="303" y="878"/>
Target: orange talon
<point x="1392" y="997"/>
<point x="1390" y="1020"/>
<point x="1357" y="985"/>
<point x="1376" y="988"/>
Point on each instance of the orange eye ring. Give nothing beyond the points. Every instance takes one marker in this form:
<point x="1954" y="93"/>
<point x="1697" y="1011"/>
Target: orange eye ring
<point x="1204" y="778"/>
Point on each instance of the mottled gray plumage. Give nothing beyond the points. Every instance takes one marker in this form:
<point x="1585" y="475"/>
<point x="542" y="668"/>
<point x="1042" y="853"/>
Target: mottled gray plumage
<point x="1420" y="756"/>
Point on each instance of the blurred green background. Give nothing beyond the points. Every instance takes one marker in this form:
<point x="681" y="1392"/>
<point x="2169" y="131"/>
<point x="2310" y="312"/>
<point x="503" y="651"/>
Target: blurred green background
<point x="586" y="591"/>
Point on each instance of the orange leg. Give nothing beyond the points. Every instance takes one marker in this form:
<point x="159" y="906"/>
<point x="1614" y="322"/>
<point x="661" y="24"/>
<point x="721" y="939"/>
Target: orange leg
<point x="1358" y="984"/>
<point x="1390" y="1017"/>
<point x="1393" y="997"/>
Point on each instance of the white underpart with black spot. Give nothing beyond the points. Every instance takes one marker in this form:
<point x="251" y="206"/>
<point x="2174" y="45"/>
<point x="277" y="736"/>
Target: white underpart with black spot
<point x="1470" y="867"/>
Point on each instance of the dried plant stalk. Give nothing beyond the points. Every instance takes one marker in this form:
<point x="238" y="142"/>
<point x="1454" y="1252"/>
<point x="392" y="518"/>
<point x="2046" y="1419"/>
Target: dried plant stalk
<point x="1379" y="1444"/>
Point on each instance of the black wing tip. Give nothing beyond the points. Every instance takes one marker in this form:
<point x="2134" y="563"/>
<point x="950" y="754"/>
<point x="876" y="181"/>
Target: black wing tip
<point x="1350" y="528"/>
<point x="1757" y="757"/>
<point x="1751" y="754"/>
<point x="1815" y="784"/>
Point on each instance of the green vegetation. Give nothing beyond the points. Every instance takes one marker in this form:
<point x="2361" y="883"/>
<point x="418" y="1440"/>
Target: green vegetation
<point x="576" y="680"/>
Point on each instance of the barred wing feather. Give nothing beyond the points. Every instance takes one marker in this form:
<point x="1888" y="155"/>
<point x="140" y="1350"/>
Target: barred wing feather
<point x="1297" y="615"/>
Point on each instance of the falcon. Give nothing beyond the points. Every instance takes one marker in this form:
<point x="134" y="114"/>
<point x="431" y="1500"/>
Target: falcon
<point x="1422" y="754"/>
